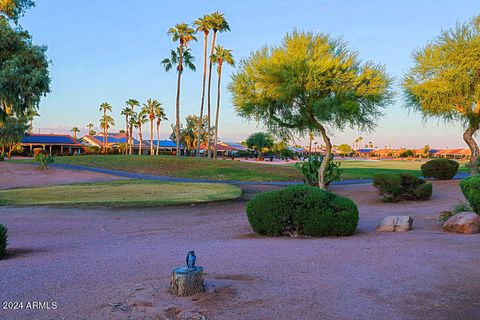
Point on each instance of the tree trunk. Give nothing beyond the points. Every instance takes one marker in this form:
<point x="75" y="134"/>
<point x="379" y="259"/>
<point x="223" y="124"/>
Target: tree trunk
<point x="140" y="140"/>
<point x="177" y="115"/>
<point x="106" y="139"/>
<point x="218" y="110"/>
<point x="209" y="142"/>
<point x="200" y="122"/>
<point x="472" y="144"/>
<point x="131" y="140"/>
<point x="326" y="159"/>
<point x="127" y="140"/>
<point x="151" y="137"/>
<point x="185" y="282"/>
<point x="158" y="137"/>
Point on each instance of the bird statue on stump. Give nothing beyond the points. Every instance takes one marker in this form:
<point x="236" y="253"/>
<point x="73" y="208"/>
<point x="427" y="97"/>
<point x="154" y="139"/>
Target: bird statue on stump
<point x="190" y="260"/>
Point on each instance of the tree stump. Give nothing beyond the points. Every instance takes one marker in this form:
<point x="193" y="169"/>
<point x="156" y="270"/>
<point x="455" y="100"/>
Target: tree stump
<point x="186" y="282"/>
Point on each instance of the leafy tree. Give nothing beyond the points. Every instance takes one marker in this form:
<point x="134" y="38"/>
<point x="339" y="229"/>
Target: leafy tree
<point x="29" y="115"/>
<point x="345" y="148"/>
<point x="106" y="122"/>
<point x="14" y="9"/>
<point x="181" y="57"/>
<point x="132" y="103"/>
<point x="203" y="24"/>
<point x="151" y="109"/>
<point x="140" y="119"/>
<point x="261" y="142"/>
<point x="24" y="76"/>
<point x="310" y="83"/>
<point x="12" y="130"/>
<point x="218" y="24"/>
<point x="75" y="130"/>
<point x="444" y="82"/>
<point x="90" y="126"/>
<point x="189" y="134"/>
<point x="220" y="57"/>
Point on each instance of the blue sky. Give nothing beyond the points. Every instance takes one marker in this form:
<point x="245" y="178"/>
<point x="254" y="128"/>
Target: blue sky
<point x="110" y="50"/>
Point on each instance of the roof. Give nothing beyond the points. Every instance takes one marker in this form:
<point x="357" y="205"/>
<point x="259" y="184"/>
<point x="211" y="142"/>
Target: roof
<point x="366" y="150"/>
<point x="237" y="146"/>
<point x="165" y="143"/>
<point x="112" y="140"/>
<point x="50" y="139"/>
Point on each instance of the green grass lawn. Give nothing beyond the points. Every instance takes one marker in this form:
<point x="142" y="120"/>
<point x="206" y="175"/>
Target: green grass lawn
<point x="236" y="170"/>
<point x="121" y="193"/>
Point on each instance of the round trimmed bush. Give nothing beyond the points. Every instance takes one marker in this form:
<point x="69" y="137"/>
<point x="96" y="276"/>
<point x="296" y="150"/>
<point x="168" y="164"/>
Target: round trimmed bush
<point x="3" y="241"/>
<point x="397" y="187"/>
<point x="441" y="169"/>
<point x="302" y="210"/>
<point x="471" y="190"/>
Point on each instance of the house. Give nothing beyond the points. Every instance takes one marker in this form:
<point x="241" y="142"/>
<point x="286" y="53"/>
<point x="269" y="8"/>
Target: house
<point x="116" y="141"/>
<point x="59" y="144"/>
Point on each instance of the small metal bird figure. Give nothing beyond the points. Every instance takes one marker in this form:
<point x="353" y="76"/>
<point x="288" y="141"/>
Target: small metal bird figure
<point x="191" y="260"/>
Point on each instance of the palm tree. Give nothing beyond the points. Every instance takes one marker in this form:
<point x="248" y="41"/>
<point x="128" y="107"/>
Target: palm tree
<point x="132" y="103"/>
<point x="204" y="25"/>
<point x="75" y="130"/>
<point x="104" y="124"/>
<point x="151" y="108"/>
<point x="220" y="56"/>
<point x="182" y="33"/>
<point x="29" y="115"/>
<point x="218" y="24"/>
<point x="90" y="128"/>
<point x="127" y="111"/>
<point x="161" y="116"/>
<point x="140" y="119"/>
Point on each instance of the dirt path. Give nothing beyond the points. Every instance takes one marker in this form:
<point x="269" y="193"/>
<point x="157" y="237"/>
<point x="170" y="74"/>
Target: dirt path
<point x="14" y="175"/>
<point x="105" y="264"/>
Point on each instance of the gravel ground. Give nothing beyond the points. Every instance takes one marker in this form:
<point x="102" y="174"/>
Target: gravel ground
<point x="115" y="264"/>
<point x="15" y="175"/>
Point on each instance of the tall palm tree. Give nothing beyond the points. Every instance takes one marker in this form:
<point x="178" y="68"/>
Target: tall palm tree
<point x="90" y="128"/>
<point x="182" y="33"/>
<point x="141" y="118"/>
<point x="218" y="24"/>
<point x="161" y="116"/>
<point x="127" y="111"/>
<point x="204" y="25"/>
<point x="220" y="57"/>
<point x="151" y="108"/>
<point x="75" y="130"/>
<point x="104" y="124"/>
<point x="29" y="115"/>
<point x="132" y="103"/>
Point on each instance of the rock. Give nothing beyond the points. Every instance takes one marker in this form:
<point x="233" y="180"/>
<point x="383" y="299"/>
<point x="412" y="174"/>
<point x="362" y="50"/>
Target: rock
<point x="395" y="223"/>
<point x="463" y="222"/>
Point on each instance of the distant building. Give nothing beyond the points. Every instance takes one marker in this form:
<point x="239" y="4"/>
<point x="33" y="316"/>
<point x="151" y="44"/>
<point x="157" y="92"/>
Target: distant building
<point x="60" y="144"/>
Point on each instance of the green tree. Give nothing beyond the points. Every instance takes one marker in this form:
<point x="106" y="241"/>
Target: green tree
<point x="189" y="134"/>
<point x="181" y="57"/>
<point x="90" y="126"/>
<point x="444" y="82"/>
<point x="75" y="130"/>
<point x="140" y="119"/>
<point x="261" y="142"/>
<point x="204" y="25"/>
<point x="14" y="9"/>
<point x="218" y="24"/>
<point x="132" y="103"/>
<point x="106" y="122"/>
<point x="310" y="83"/>
<point x="29" y="115"/>
<point x="127" y="112"/>
<point x="12" y="130"/>
<point x="161" y="116"/>
<point x="345" y="148"/>
<point x="151" y="108"/>
<point x="220" y="57"/>
<point x="24" y="76"/>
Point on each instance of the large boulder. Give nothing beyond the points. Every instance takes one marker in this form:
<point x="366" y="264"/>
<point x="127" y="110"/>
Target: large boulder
<point x="395" y="224"/>
<point x="463" y="222"/>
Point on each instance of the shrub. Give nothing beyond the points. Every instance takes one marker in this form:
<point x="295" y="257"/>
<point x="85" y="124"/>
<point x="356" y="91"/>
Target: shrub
<point x="2" y="157"/>
<point x="302" y="210"/>
<point x="407" y="153"/>
<point x="471" y="190"/>
<point x="44" y="160"/>
<point x="309" y="170"/>
<point x="3" y="241"/>
<point x="442" y="169"/>
<point x="403" y="186"/>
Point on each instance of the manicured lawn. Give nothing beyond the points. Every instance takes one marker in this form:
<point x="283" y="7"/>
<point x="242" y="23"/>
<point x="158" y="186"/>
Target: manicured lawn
<point x="121" y="193"/>
<point x="236" y="170"/>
